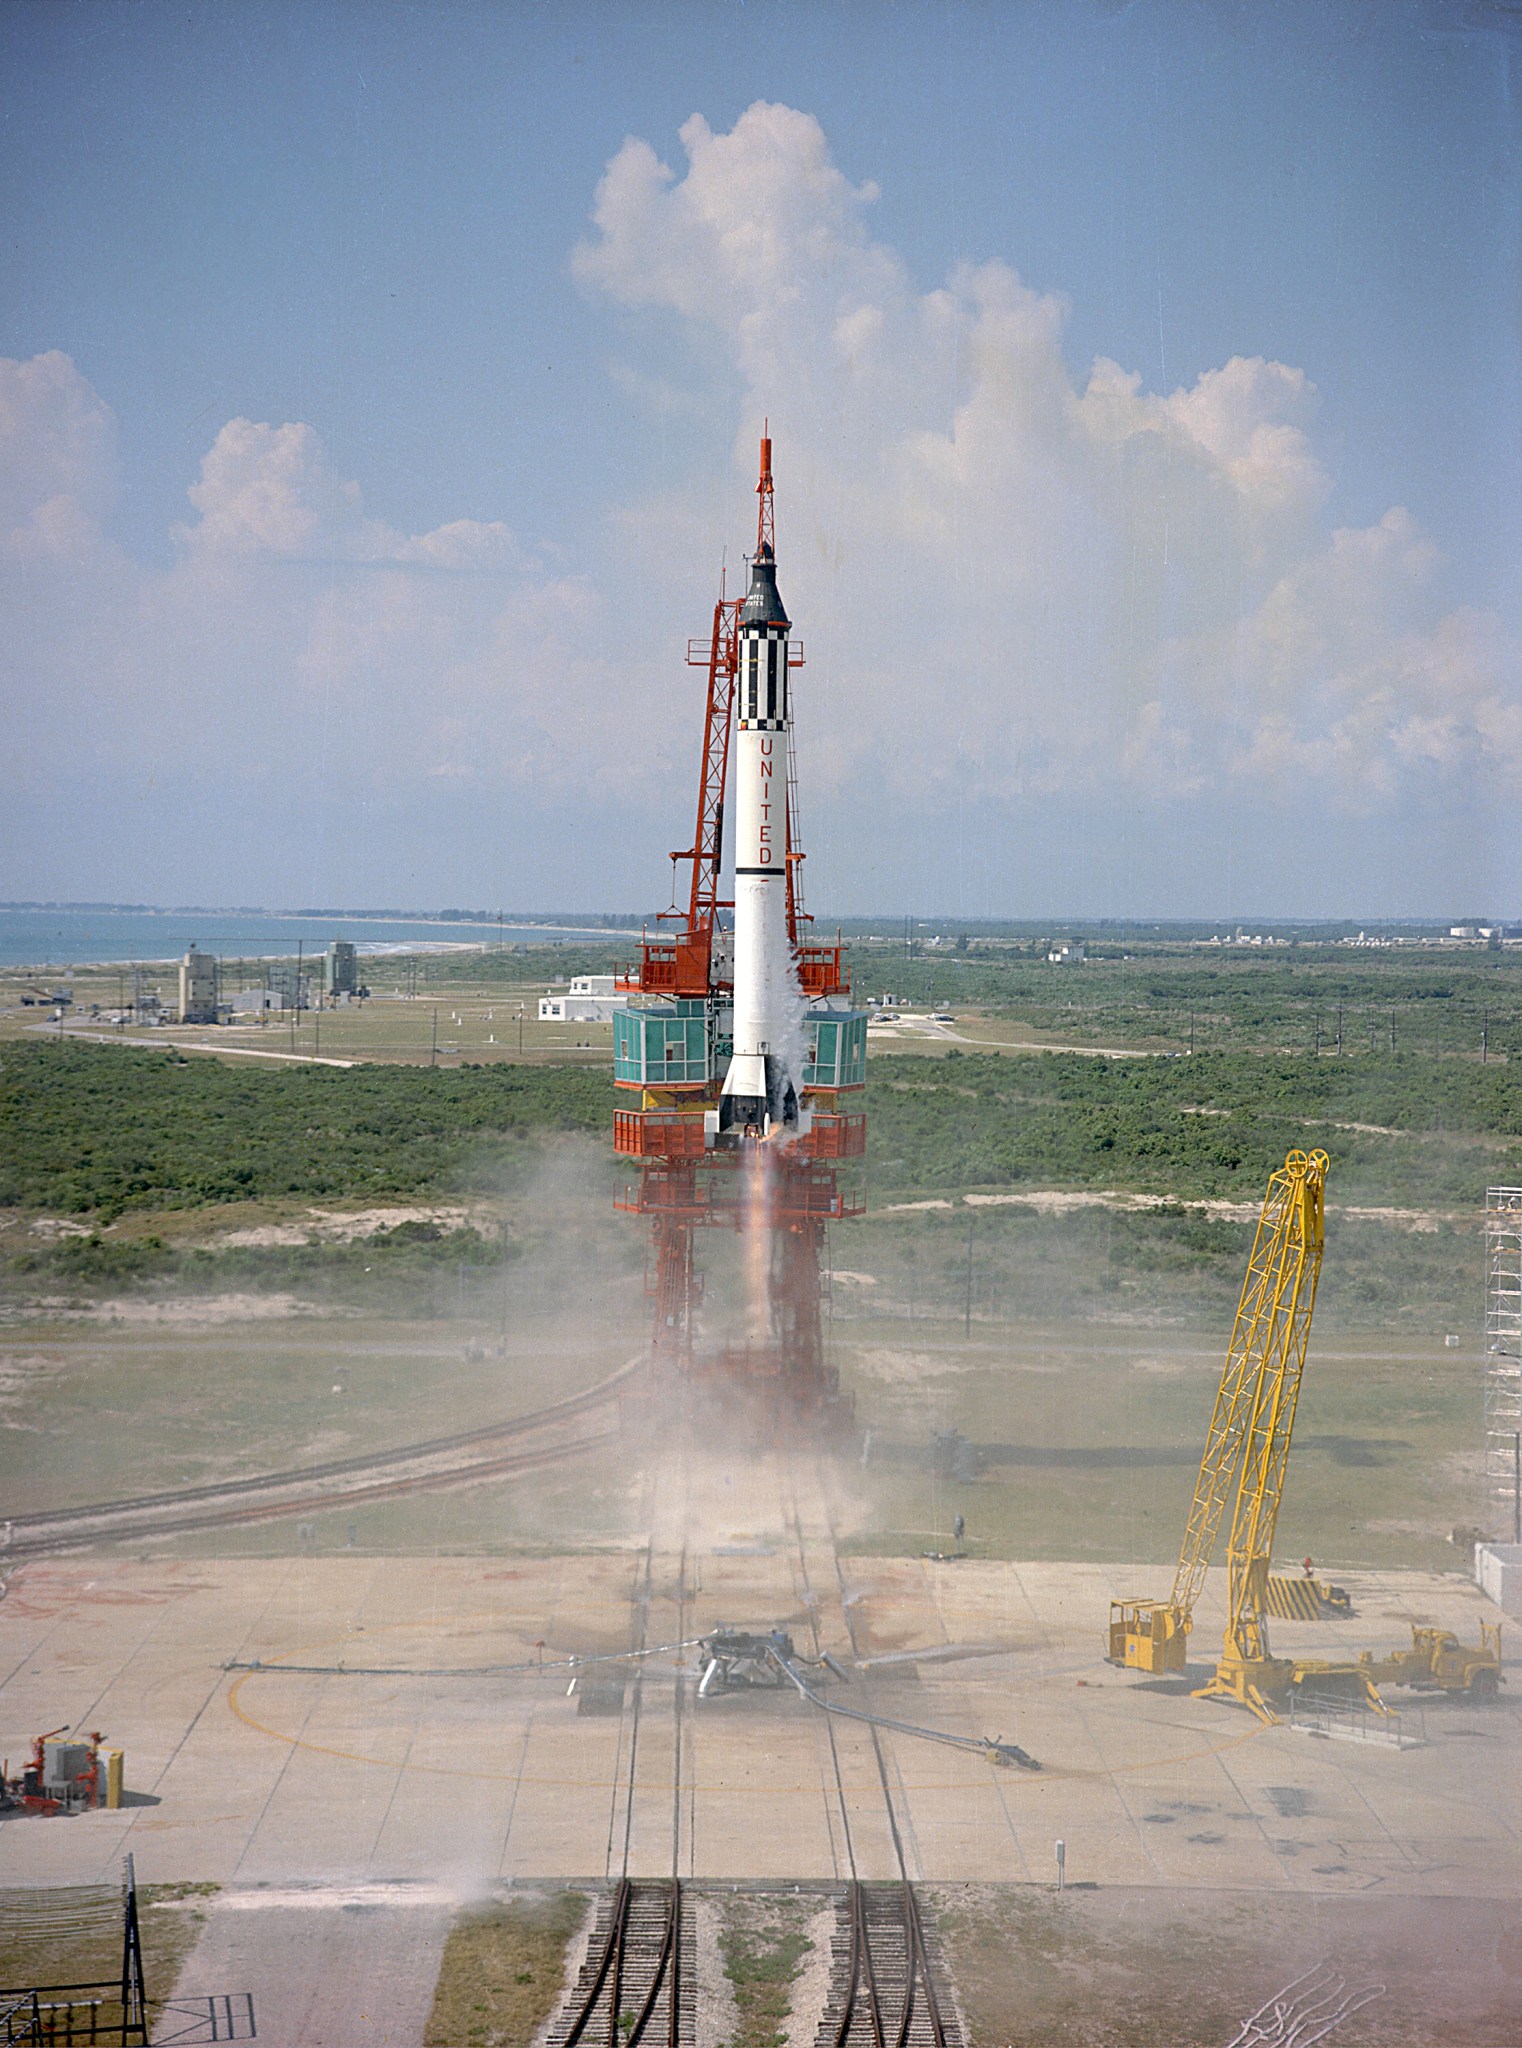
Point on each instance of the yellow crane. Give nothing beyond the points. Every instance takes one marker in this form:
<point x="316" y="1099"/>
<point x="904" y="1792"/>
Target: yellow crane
<point x="1247" y="1672"/>
<point x="1248" y="1441"/>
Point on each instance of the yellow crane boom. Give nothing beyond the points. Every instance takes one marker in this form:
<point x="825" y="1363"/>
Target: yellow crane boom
<point x="1255" y="1409"/>
<point x="1247" y="1671"/>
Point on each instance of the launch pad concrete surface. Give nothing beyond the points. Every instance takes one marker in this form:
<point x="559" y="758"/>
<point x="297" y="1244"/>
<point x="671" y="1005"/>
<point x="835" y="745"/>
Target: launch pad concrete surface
<point x="453" y="1750"/>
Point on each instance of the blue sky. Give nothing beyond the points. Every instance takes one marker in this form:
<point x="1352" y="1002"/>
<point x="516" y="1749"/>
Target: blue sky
<point x="1229" y="627"/>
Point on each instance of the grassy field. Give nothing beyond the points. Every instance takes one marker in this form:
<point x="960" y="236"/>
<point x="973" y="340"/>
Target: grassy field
<point x="1084" y="1441"/>
<point x="1040" y="1185"/>
<point x="90" y="1413"/>
<point x="1170" y="1264"/>
<point x="765" y="1941"/>
<point x="1125" y="1968"/>
<point x="502" y="1971"/>
<point x="343" y="1258"/>
<point x="100" y="1130"/>
<point x="1084" y="1437"/>
<point x="1437" y="1000"/>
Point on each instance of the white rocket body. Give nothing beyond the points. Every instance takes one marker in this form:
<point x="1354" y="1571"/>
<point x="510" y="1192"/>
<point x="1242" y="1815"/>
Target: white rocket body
<point x="760" y="1092"/>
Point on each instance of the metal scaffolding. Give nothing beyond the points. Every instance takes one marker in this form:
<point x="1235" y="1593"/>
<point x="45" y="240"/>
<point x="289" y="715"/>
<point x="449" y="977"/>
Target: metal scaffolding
<point x="671" y="1052"/>
<point x="1503" y="1358"/>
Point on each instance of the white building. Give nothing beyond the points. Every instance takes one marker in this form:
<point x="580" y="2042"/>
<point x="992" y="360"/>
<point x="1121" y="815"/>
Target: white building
<point x="251" y="1002"/>
<point x="198" y="988"/>
<point x="1071" y="952"/>
<point x="589" y="1000"/>
<point x="1498" y="1574"/>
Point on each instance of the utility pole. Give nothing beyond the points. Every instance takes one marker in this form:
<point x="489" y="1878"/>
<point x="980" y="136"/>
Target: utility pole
<point x="1191" y="1034"/>
<point x="433" y="1056"/>
<point x="967" y="1310"/>
<point x="1485" y="1039"/>
<point x="506" y="1288"/>
<point x="1339" y="1031"/>
<point x="1317" y="1053"/>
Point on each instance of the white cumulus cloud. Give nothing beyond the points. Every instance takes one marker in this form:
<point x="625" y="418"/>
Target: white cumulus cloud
<point x="1023" y="580"/>
<point x="1102" y="586"/>
<point x="57" y="442"/>
<point x="293" y="632"/>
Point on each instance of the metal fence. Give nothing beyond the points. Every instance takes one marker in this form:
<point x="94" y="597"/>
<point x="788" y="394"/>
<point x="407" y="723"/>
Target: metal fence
<point x="1350" y="1720"/>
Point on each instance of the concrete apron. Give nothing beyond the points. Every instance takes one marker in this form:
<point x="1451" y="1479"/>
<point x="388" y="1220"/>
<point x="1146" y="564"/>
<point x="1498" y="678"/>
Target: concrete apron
<point x="330" y="1966"/>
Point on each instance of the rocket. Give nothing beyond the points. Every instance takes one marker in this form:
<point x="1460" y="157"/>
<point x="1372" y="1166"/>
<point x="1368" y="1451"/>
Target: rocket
<point x="760" y="1091"/>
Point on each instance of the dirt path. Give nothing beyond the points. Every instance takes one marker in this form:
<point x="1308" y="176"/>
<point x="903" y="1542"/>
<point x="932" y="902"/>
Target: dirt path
<point x="175" y="1044"/>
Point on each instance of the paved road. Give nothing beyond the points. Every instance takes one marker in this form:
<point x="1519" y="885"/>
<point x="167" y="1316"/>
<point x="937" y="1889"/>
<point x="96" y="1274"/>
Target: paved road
<point x="330" y="1966"/>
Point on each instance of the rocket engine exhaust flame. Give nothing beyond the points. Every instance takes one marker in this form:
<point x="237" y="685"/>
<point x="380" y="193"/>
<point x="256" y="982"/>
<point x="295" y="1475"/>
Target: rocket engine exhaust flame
<point x="743" y="1046"/>
<point x="758" y="1243"/>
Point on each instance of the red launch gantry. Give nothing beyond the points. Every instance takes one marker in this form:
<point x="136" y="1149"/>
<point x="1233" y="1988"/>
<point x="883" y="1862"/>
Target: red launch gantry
<point x="741" y="1049"/>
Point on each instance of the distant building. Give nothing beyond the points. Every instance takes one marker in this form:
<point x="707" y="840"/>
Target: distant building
<point x="589" y="1000"/>
<point x="294" y="988"/>
<point x="1069" y="954"/>
<point x="198" y="988"/>
<point x="340" y="973"/>
<point x="147" y="1007"/>
<point x="254" y="1002"/>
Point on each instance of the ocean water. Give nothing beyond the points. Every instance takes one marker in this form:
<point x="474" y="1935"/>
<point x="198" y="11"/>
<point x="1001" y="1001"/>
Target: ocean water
<point x="71" y="936"/>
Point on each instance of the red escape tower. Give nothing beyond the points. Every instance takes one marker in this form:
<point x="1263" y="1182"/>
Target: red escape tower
<point x="740" y="1050"/>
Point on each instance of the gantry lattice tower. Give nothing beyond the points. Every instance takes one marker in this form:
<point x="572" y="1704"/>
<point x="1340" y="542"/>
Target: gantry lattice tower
<point x="1503" y="1357"/>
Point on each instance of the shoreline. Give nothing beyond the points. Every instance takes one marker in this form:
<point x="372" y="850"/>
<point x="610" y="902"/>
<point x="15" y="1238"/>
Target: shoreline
<point x="374" y="949"/>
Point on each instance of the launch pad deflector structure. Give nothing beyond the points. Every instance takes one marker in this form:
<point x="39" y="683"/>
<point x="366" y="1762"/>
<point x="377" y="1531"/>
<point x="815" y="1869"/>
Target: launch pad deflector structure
<point x="740" y="1051"/>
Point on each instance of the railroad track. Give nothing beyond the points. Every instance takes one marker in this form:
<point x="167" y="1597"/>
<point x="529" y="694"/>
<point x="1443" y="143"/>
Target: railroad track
<point x="633" y="1985"/>
<point x="637" y="1982"/>
<point x="885" y="1985"/>
<point x="542" y="1437"/>
<point x="883" y="1990"/>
